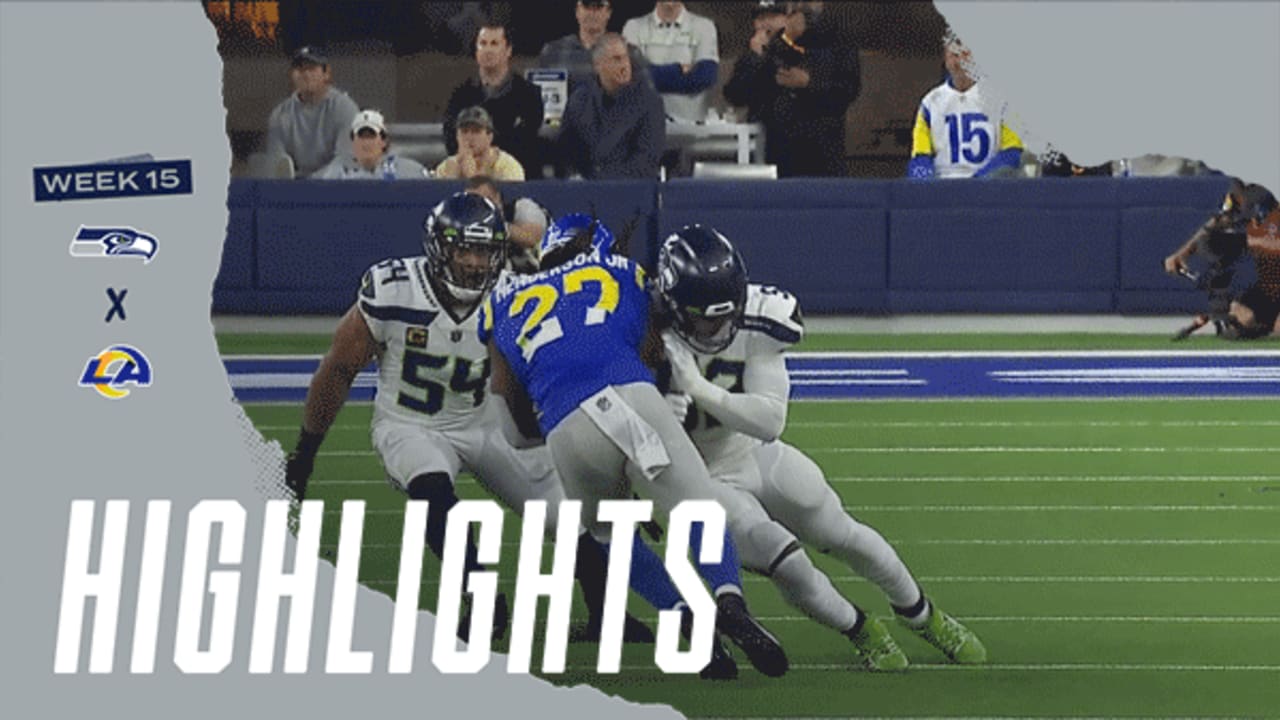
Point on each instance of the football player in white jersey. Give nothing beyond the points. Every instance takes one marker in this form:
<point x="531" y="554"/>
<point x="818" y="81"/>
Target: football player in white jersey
<point x="432" y="415"/>
<point x="961" y="127"/>
<point x="725" y="346"/>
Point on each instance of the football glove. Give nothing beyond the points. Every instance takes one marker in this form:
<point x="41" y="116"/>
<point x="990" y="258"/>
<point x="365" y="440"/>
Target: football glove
<point x="300" y="463"/>
<point x="684" y="366"/>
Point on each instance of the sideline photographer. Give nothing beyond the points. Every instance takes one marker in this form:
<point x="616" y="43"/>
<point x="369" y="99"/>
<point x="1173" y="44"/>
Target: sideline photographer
<point x="1246" y="227"/>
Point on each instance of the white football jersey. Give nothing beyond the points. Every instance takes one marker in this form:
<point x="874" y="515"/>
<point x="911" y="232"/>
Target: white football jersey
<point x="771" y="323"/>
<point x="432" y="368"/>
<point x="963" y="131"/>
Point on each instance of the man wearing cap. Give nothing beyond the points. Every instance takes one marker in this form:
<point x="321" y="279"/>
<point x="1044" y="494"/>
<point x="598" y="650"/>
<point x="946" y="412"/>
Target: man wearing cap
<point x="477" y="155"/>
<point x="369" y="158"/>
<point x="684" y="57"/>
<point x="614" y="127"/>
<point x="514" y="104"/>
<point x="312" y="125"/>
<point x="573" y="52"/>
<point x="798" y="79"/>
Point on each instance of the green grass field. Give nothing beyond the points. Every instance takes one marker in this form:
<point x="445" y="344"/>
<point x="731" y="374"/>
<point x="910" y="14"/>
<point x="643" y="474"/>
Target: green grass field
<point x="1118" y="558"/>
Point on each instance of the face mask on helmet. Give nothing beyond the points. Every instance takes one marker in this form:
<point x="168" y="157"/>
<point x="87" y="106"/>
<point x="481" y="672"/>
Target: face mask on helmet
<point x="466" y="246"/>
<point x="703" y="282"/>
<point x="710" y="329"/>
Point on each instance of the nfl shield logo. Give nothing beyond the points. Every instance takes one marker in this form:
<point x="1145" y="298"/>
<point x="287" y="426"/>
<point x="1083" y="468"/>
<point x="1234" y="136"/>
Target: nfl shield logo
<point x="455" y="335"/>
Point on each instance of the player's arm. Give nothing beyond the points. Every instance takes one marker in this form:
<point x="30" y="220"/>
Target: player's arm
<point x="922" y="151"/>
<point x="519" y="419"/>
<point x="352" y="348"/>
<point x="528" y="223"/>
<point x="760" y="410"/>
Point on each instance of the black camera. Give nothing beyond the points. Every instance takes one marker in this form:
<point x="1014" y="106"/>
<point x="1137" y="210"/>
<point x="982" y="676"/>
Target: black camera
<point x="784" y="52"/>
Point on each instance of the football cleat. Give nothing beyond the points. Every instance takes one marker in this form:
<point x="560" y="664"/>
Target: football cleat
<point x="722" y="665"/>
<point x="762" y="649"/>
<point x="876" y="649"/>
<point x="955" y="641"/>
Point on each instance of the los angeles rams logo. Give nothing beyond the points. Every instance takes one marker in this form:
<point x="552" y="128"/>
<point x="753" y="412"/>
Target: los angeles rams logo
<point x="115" y="367"/>
<point x="113" y="242"/>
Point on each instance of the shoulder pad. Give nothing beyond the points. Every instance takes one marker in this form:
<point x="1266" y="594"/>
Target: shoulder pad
<point x="774" y="313"/>
<point x="387" y="293"/>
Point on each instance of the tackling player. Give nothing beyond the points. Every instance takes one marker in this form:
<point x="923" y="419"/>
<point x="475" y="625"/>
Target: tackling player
<point x="725" y="346"/>
<point x="569" y="339"/>
<point x="431" y="415"/>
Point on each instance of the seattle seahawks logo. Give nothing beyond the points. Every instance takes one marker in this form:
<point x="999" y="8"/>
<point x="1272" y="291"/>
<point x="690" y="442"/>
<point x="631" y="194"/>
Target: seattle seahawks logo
<point x="113" y="242"/>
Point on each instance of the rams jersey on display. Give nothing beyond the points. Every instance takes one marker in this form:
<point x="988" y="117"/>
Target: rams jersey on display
<point x="571" y="331"/>
<point x="771" y="323"/>
<point x="963" y="131"/>
<point x="432" y="368"/>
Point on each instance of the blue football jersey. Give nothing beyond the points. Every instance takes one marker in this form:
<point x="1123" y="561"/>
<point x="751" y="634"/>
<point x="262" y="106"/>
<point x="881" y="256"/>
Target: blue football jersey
<point x="571" y="331"/>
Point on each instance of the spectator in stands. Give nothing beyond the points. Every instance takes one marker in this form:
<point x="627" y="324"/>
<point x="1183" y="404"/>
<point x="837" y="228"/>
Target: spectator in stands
<point x="369" y="158"/>
<point x="477" y="155"/>
<point x="312" y="125"/>
<point x="513" y="103"/>
<point x="799" y="85"/>
<point x="683" y="56"/>
<point x="527" y="221"/>
<point x="613" y="127"/>
<point x="960" y="128"/>
<point x="573" y="52"/>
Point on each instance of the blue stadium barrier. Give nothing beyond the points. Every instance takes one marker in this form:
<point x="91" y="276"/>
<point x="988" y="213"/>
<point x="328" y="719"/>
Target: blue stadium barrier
<point x="842" y="245"/>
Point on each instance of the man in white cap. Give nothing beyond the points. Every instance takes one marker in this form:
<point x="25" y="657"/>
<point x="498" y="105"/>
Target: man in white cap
<point x="369" y="158"/>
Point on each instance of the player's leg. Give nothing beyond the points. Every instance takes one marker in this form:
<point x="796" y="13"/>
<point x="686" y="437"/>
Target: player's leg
<point x="796" y="493"/>
<point x="517" y="476"/>
<point x="768" y="548"/>
<point x="423" y="464"/>
<point x="648" y="420"/>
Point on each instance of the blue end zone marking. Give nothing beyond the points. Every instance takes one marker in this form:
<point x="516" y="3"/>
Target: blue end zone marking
<point x="850" y="376"/>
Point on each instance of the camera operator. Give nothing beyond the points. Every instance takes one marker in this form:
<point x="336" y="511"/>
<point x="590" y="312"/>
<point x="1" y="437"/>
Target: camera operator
<point x="799" y="84"/>
<point x="1247" y="226"/>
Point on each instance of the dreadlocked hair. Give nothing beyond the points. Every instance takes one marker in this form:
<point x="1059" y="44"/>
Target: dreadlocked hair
<point x="580" y="243"/>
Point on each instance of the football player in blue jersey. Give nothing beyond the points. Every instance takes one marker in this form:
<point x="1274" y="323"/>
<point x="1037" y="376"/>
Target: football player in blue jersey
<point x="725" y="345"/>
<point x="567" y="342"/>
<point x="432" y="416"/>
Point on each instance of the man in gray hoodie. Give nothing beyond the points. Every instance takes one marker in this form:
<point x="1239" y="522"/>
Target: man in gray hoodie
<point x="312" y="125"/>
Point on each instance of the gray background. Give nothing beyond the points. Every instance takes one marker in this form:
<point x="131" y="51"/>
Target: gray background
<point x="90" y="81"/>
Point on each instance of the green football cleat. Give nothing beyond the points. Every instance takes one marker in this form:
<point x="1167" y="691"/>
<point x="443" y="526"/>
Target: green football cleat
<point x="955" y="641"/>
<point x="876" y="649"/>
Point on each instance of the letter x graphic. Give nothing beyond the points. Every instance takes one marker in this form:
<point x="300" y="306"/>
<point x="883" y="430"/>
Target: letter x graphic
<point x="117" y="303"/>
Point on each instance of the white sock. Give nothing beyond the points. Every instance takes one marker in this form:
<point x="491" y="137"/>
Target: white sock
<point x="811" y="592"/>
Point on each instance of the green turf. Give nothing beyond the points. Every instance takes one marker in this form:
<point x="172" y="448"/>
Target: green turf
<point x="1119" y="558"/>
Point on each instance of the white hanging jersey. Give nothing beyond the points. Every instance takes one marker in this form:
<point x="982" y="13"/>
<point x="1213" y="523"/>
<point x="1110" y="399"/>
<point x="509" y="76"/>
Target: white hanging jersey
<point x="771" y="323"/>
<point x="963" y="131"/>
<point x="432" y="369"/>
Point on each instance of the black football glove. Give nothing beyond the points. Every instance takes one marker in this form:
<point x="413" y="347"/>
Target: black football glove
<point x="300" y="463"/>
